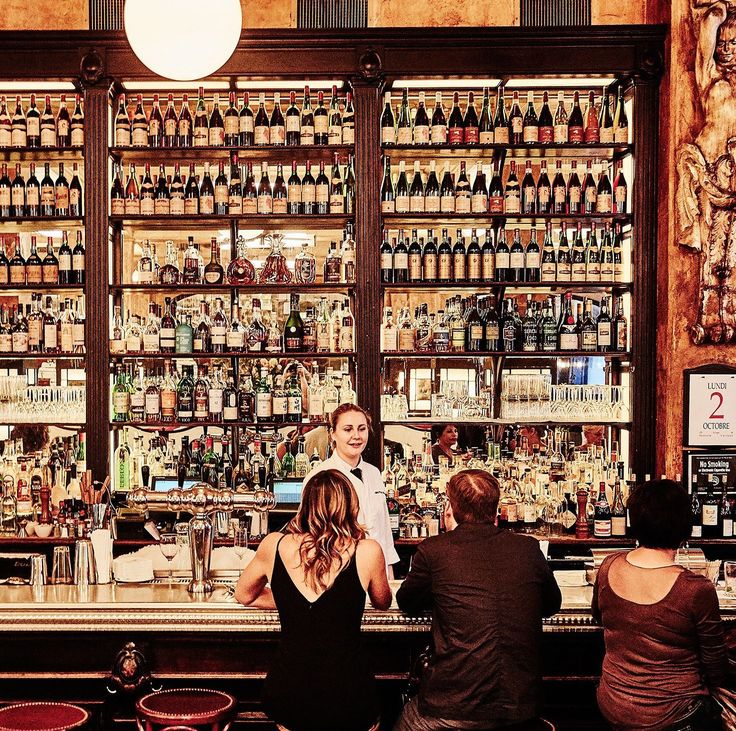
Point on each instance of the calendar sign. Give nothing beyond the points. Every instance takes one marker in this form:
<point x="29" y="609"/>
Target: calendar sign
<point x="710" y="403"/>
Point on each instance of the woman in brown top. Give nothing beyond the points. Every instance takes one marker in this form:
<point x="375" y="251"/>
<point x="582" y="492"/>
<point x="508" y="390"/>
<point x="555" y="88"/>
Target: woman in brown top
<point x="661" y="624"/>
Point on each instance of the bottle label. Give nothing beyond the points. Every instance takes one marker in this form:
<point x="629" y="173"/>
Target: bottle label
<point x="401" y="261"/>
<point x="263" y="405"/>
<point x="406" y="339"/>
<point x="168" y="404"/>
<point x="578" y="272"/>
<point x="388" y="135"/>
<point x="560" y="134"/>
<point x="150" y="342"/>
<point x="121" y="402"/>
<point x="474" y="267"/>
<point x="590" y="340"/>
<point x="564" y="271"/>
<point x="593" y="273"/>
<point x="321" y="126"/>
<point x="471" y="135"/>
<point x="421" y="134"/>
<point x="476" y="332"/>
<point x="462" y="201"/>
<point x="618" y="525"/>
<point x="32" y="196"/>
<point x="549" y="271"/>
<point x="501" y="135"/>
<point x="265" y="203"/>
<point x="33" y="274"/>
<point x="439" y="134"/>
<point x="415" y="267"/>
<point x="307" y="136"/>
<point x="604" y="334"/>
<point x="546" y="134"/>
<point x="277" y="134"/>
<point x="455" y="135"/>
<point x="219" y="335"/>
<point x="280" y="406"/>
<point x="235" y="340"/>
<point x="403" y="136"/>
<point x="416" y="204"/>
<point x="6" y="137"/>
<point x="20" y="342"/>
<point x="603" y="204"/>
<point x="495" y="204"/>
<point x="606" y="135"/>
<point x="592" y="135"/>
<point x="133" y="343"/>
<point x="279" y="206"/>
<point x="621" y="135"/>
<point x="517" y="260"/>
<point x="389" y="340"/>
<point x="447" y="203"/>
<point x="710" y="515"/>
<point x="531" y="133"/>
<point x="402" y="204"/>
<point x="503" y="260"/>
<point x="602" y="528"/>
<point x="445" y="266"/>
<point x="727" y="528"/>
<point x="50" y="337"/>
<point x="489" y="266"/>
<point x="147" y="206"/>
<point x="575" y="134"/>
<point x="513" y="201"/>
<point x="388" y="206"/>
<point x="532" y="260"/>
<point x="429" y="263"/>
<point x="620" y="193"/>
<point x="6" y="343"/>
<point x="517" y="125"/>
<point x="117" y="207"/>
<point x="479" y="203"/>
<point x="62" y="198"/>
<point x="621" y="336"/>
<point x="568" y="341"/>
<point x="152" y="404"/>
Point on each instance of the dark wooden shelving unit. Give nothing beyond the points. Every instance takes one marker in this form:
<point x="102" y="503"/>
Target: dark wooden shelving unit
<point x="283" y="154"/>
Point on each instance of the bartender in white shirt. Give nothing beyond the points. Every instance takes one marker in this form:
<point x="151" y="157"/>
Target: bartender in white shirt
<point x="349" y="429"/>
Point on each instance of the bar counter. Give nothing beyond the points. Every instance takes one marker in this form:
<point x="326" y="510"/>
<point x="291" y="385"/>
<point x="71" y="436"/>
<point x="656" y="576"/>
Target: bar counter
<point x="162" y="608"/>
<point x="105" y="645"/>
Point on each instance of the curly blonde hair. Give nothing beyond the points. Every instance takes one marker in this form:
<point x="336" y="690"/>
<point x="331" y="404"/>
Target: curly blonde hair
<point x="328" y="521"/>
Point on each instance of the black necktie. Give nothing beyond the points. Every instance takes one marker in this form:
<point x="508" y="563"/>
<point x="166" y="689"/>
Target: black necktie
<point x="358" y="473"/>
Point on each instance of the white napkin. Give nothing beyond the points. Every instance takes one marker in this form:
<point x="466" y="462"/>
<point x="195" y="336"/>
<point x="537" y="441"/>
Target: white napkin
<point x="131" y="567"/>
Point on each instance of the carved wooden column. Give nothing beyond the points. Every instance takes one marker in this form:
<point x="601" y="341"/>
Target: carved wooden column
<point x="96" y="105"/>
<point x="368" y="234"/>
<point x="643" y="328"/>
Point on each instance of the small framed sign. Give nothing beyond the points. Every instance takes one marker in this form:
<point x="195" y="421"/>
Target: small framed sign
<point x="709" y="402"/>
<point x="710" y="470"/>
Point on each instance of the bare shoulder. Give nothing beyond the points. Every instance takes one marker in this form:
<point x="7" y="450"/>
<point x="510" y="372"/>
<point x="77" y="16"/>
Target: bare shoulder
<point x="369" y="550"/>
<point x="269" y="543"/>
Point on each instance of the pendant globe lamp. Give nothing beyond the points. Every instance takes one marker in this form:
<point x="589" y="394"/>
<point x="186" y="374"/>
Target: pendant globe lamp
<point x="183" y="39"/>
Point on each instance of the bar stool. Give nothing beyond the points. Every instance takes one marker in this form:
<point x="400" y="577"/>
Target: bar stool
<point x="42" y="716"/>
<point x="185" y="709"/>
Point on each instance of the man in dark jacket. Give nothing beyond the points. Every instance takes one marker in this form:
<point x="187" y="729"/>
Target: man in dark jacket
<point x="488" y="590"/>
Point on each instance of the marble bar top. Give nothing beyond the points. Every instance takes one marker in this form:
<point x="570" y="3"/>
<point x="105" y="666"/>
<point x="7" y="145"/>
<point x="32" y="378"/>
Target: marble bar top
<point x="164" y="608"/>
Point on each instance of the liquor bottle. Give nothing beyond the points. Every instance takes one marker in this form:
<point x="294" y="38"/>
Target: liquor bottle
<point x="588" y="330"/>
<point x="18" y="194"/>
<point x="488" y="258"/>
<point x="421" y="122"/>
<point x="510" y="328"/>
<point x="61" y="193"/>
<point x="400" y="260"/>
<point x="528" y="191"/>
<point x="462" y="191"/>
<point x="576" y="124"/>
<point x="200" y="125"/>
<point x="49" y="265"/>
<point x="710" y="511"/>
<point x="213" y="272"/>
<point x="48" y="193"/>
<point x="206" y="193"/>
<point x="455" y="124"/>
<point x="33" y="124"/>
<point x="321" y="121"/>
<point x="529" y="331"/>
<point x="605" y="120"/>
<point x="603" y="520"/>
<point x="574" y="191"/>
<point x="120" y="397"/>
<point x="438" y="133"/>
<point x="618" y="512"/>
<point x="185" y="396"/>
<point x="78" y="261"/>
<point x="191" y="273"/>
<point x="19" y="129"/>
<point x="447" y="191"/>
<point x="184" y="335"/>
<point x="48" y="125"/>
<point x="531" y="121"/>
<point x="347" y="329"/>
<point x="485" y="123"/>
<point x="139" y="125"/>
<point x="222" y="191"/>
<point x="726" y="511"/>
<point x="65" y="261"/>
<point x="402" y="190"/>
<point x="132" y="197"/>
<point x="416" y="191"/>
<point x="620" y="190"/>
<point x="294" y="328"/>
<point x="474" y="259"/>
<point x="620" y="120"/>
<point x="592" y="256"/>
<point x="516" y="122"/>
<point x="470" y="122"/>
<point x="620" y="327"/>
<point x="532" y="257"/>
<point x="512" y="194"/>
<point x="415" y="259"/>
<point x="546" y="123"/>
<point x="503" y="257"/>
<point x="33" y="194"/>
<point x="517" y="259"/>
<point x="167" y="331"/>
<point x="567" y="330"/>
<point x="696" y="507"/>
<point x="6" y="125"/>
<point x="604" y="328"/>
<point x="155" y="125"/>
<point x="561" y="126"/>
<point x="592" y="135"/>
<point x="147" y="192"/>
<point x="161" y="195"/>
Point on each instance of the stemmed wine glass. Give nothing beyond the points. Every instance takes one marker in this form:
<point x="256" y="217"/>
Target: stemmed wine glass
<point x="169" y="547"/>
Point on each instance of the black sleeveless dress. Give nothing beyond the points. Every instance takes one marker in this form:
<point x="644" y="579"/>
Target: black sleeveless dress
<point x="320" y="680"/>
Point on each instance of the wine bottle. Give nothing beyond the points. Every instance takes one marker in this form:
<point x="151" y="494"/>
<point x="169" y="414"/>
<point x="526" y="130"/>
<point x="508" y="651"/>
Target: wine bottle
<point x="221" y="191"/>
<point x="549" y="257"/>
<point x="462" y="191"/>
<point x="532" y="258"/>
<point x="386" y="254"/>
<point x="620" y="120"/>
<point x="512" y="194"/>
<point x="48" y="124"/>
<point x="293" y="121"/>
<point x="18" y="194"/>
<point x="400" y="260"/>
<point x="33" y="193"/>
<point x="528" y="191"/>
<point x="403" y="122"/>
<point x="388" y="122"/>
<point x="33" y="124"/>
<point x="592" y="133"/>
<point x="321" y="121"/>
<point x="590" y="190"/>
<point x="416" y="191"/>
<point x="421" y="122"/>
<point x="574" y="190"/>
<point x="161" y="195"/>
<point x="488" y="258"/>
<point x="277" y="125"/>
<point x="559" y="191"/>
<point x="155" y="125"/>
<point x="432" y="202"/>
<point x="620" y="190"/>
<point x="261" y="129"/>
<point x="567" y="330"/>
<point x="455" y="131"/>
<point x="139" y="125"/>
<point x="447" y="191"/>
<point x="470" y="123"/>
<point x="414" y="258"/>
<point x="171" y="124"/>
<point x="19" y="129"/>
<point x="576" y="124"/>
<point x="516" y="121"/>
<point x="246" y="123"/>
<point x="216" y="130"/>
<point x="546" y="123"/>
<point x="265" y="193"/>
<point x="517" y="259"/>
<point x="544" y="190"/>
<point x="503" y="258"/>
<point x="459" y="258"/>
<point x="438" y="133"/>
<point x="200" y="127"/>
<point x="231" y="121"/>
<point x="485" y="124"/>
<point x="402" y="190"/>
<point x="185" y="124"/>
<point x="429" y="258"/>
<point x="605" y="119"/>
<point x="531" y="121"/>
<point x="561" y="120"/>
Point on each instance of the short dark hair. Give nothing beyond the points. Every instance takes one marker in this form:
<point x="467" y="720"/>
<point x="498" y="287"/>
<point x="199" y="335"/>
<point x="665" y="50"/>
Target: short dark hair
<point x="660" y="514"/>
<point x="474" y="495"/>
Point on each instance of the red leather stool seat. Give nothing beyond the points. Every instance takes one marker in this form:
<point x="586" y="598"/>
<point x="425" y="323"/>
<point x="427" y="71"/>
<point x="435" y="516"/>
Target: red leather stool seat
<point x="186" y="706"/>
<point x="42" y="716"/>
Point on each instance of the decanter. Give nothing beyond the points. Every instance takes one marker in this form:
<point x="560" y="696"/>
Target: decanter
<point x="275" y="270"/>
<point x="240" y="270"/>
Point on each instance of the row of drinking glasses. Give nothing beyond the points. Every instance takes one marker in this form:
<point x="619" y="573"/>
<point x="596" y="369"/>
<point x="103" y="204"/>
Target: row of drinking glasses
<point x="41" y="404"/>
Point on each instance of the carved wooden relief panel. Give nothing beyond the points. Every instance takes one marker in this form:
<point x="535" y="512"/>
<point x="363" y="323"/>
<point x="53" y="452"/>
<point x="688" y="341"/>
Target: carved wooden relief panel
<point x="706" y="173"/>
